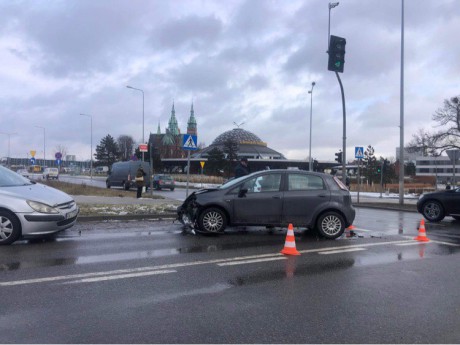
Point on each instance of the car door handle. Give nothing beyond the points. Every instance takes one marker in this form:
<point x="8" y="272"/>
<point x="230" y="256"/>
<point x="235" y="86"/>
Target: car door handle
<point x="322" y="195"/>
<point x="276" y="197"/>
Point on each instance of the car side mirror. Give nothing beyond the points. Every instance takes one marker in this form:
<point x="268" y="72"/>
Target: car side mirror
<point x="242" y="192"/>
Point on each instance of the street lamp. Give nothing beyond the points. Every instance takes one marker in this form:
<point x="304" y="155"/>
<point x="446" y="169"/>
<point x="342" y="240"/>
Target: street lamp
<point x="91" y="157"/>
<point x="44" y="145"/>
<point x="9" y="138"/>
<point x="143" y="140"/>
<point x="311" y="116"/>
<point x="331" y="5"/>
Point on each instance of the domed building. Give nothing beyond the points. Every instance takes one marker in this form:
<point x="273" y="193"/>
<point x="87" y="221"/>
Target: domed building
<point x="250" y="146"/>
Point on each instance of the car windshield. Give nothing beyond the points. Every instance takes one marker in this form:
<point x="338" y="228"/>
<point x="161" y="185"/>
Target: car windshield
<point x="232" y="182"/>
<point x="9" y="178"/>
<point x="167" y="178"/>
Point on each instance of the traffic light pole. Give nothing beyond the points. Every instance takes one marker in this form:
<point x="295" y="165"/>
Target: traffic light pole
<point x="344" y="143"/>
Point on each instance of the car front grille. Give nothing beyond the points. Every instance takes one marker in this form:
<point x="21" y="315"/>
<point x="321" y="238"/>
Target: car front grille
<point x="66" y="205"/>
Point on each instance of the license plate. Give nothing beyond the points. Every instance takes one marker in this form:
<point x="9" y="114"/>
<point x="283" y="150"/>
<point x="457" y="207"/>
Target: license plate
<point x="71" y="214"/>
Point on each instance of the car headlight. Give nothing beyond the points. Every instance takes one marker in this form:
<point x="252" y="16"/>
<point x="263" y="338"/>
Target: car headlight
<point x="42" y="208"/>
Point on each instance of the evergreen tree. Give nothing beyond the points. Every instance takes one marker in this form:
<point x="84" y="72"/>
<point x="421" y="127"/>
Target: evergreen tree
<point x="107" y="152"/>
<point x="215" y="163"/>
<point x="231" y="149"/>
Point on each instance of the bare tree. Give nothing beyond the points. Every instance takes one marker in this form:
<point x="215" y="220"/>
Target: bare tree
<point x="448" y="117"/>
<point x="62" y="149"/>
<point x="126" y="147"/>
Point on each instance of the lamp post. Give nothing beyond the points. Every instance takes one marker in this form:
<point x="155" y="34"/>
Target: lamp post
<point x="143" y="140"/>
<point x="91" y="157"/>
<point x="311" y="116"/>
<point x="9" y="138"/>
<point x="331" y="5"/>
<point x="44" y="144"/>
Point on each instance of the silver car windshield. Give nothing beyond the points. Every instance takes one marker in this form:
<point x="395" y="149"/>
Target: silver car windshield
<point x="9" y="178"/>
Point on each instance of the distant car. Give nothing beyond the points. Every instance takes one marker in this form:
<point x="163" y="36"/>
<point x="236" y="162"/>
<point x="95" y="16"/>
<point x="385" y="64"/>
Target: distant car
<point x="163" y="181"/>
<point x="50" y="173"/>
<point x="23" y="172"/>
<point x="30" y="209"/>
<point x="272" y="198"/>
<point x="435" y="206"/>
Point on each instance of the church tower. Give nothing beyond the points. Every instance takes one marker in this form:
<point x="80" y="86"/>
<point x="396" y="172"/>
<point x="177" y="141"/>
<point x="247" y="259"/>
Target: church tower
<point x="191" y="124"/>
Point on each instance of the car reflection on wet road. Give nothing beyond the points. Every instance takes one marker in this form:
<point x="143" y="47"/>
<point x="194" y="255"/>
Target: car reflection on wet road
<point x="152" y="282"/>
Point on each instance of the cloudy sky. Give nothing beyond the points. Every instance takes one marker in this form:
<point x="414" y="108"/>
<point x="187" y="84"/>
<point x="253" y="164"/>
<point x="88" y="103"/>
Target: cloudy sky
<point x="239" y="61"/>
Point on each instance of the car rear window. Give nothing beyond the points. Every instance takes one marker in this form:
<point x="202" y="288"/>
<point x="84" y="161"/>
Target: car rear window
<point x="304" y="182"/>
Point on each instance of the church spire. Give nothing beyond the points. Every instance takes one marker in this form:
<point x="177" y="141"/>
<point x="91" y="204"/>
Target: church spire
<point x="191" y="124"/>
<point x="173" y="126"/>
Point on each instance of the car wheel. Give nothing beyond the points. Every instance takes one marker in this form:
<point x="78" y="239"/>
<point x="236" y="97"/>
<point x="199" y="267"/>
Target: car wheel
<point x="172" y="189"/>
<point x="212" y="220"/>
<point x="330" y="225"/>
<point x="107" y="184"/>
<point x="433" y="211"/>
<point x="10" y="228"/>
<point x="126" y="185"/>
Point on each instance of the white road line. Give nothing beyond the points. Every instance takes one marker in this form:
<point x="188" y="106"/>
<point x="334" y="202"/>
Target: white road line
<point x="120" y="276"/>
<point x="341" y="251"/>
<point x="184" y="264"/>
<point x="250" y="261"/>
<point x="411" y="243"/>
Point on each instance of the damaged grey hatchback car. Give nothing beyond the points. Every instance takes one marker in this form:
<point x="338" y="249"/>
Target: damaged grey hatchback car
<point x="272" y="198"/>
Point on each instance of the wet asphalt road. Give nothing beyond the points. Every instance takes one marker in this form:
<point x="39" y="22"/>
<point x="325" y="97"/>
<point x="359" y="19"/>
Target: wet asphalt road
<point x="151" y="282"/>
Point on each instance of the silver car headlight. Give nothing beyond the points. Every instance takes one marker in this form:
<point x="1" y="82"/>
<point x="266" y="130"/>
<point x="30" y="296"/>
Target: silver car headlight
<point x="42" y="208"/>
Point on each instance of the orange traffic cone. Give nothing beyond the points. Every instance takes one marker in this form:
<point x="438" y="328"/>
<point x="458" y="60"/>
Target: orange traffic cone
<point x="289" y="245"/>
<point x="422" y="233"/>
<point x="351" y="227"/>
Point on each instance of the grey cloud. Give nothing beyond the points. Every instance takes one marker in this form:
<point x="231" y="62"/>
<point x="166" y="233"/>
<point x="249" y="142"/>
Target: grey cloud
<point x="191" y="31"/>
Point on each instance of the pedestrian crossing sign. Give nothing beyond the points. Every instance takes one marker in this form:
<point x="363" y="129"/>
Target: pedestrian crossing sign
<point x="359" y="152"/>
<point x="189" y="142"/>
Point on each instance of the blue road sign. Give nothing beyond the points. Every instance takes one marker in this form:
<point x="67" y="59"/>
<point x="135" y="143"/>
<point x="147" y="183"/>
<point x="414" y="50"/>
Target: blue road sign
<point x="32" y="160"/>
<point x="58" y="161"/>
<point x="189" y="142"/>
<point x="359" y="152"/>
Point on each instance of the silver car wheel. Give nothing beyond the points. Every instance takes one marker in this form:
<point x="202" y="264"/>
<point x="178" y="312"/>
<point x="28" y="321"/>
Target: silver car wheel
<point x="213" y="220"/>
<point x="331" y="225"/>
<point x="433" y="211"/>
<point x="10" y="228"/>
<point x="6" y="228"/>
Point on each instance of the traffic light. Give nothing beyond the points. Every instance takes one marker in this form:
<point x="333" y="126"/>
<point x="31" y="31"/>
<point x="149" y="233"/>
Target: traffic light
<point x="338" y="157"/>
<point x="336" y="54"/>
<point x="385" y="166"/>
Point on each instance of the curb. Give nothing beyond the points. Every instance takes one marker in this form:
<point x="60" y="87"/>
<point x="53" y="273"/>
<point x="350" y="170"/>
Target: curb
<point x="106" y="218"/>
<point x="173" y="216"/>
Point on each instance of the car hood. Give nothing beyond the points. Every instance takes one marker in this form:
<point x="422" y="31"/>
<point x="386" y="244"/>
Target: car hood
<point x="37" y="192"/>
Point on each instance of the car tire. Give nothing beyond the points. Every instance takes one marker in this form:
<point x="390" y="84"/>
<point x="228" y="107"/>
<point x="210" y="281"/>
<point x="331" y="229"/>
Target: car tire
<point x="107" y="184"/>
<point x="433" y="211"/>
<point x="212" y="221"/>
<point x="172" y="189"/>
<point x="330" y="225"/>
<point x="10" y="228"/>
<point x="126" y="185"/>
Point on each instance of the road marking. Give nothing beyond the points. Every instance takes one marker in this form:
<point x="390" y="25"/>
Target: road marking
<point x="411" y="243"/>
<point x="341" y="251"/>
<point x="120" y="276"/>
<point x="250" y="261"/>
<point x="187" y="264"/>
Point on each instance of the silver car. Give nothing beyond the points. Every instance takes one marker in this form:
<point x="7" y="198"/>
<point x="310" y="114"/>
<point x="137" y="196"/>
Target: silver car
<point x="29" y="209"/>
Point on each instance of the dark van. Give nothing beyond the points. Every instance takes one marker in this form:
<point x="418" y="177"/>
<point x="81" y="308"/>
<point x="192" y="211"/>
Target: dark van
<point x="122" y="174"/>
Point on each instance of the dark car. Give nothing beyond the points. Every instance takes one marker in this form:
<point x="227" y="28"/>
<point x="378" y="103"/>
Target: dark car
<point x="272" y="198"/>
<point x="163" y="181"/>
<point x="436" y="205"/>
